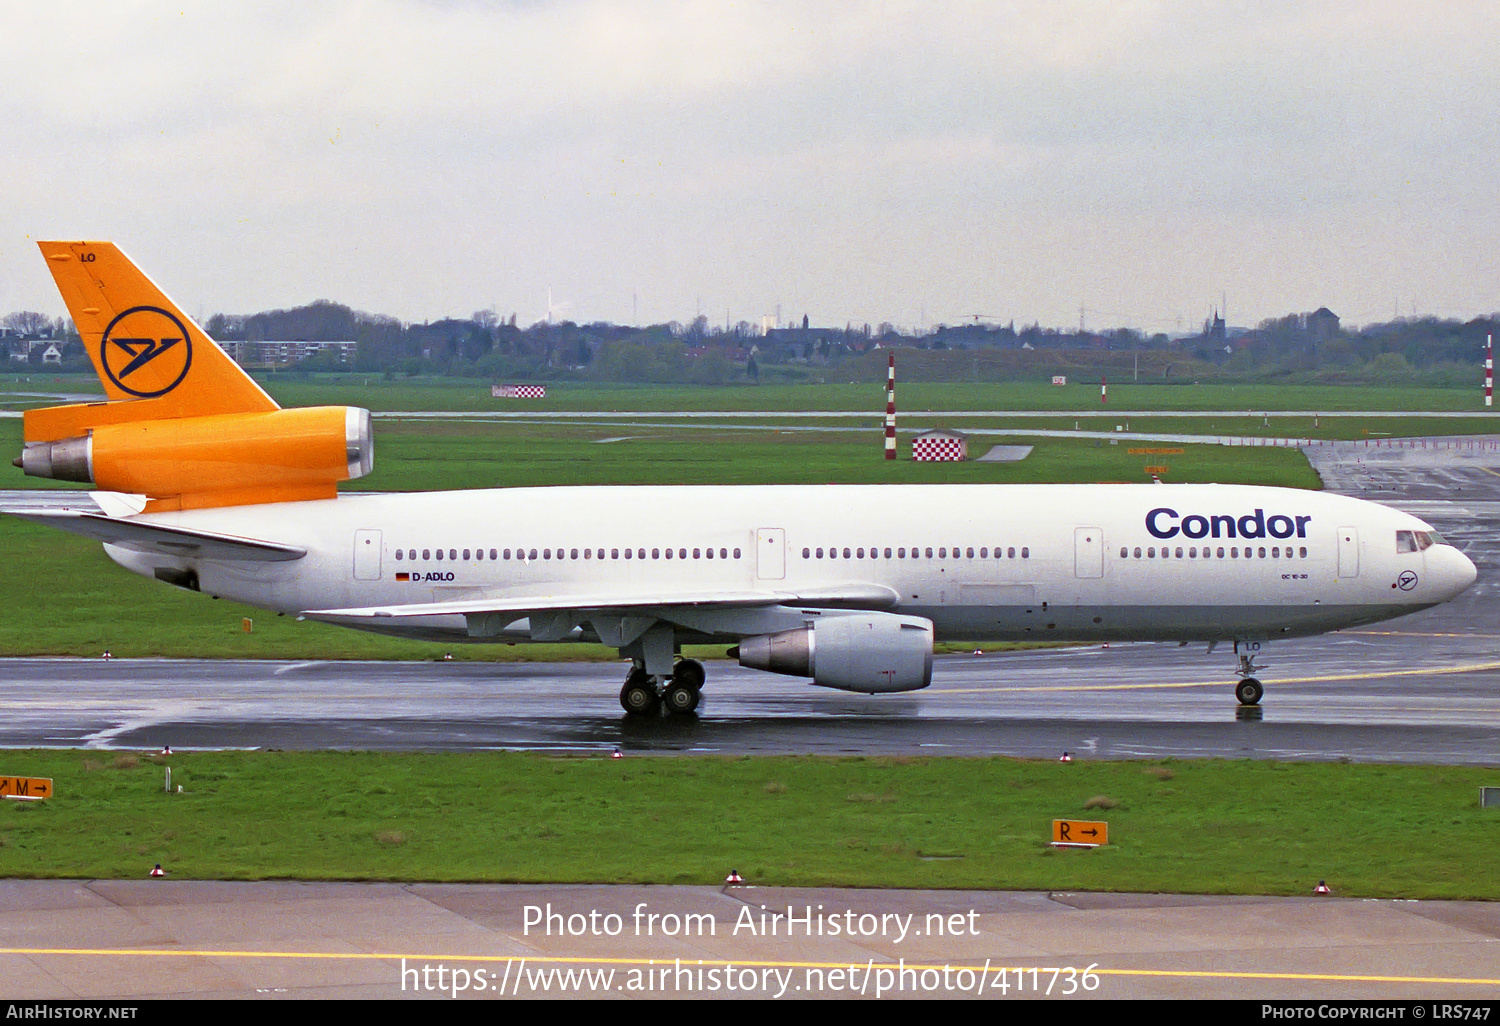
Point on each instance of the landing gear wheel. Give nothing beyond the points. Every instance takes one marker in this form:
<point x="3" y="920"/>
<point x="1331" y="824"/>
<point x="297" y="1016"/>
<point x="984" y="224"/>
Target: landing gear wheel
<point x="638" y="697"/>
<point x="1248" y="691"/>
<point x="680" y="699"/>
<point x="688" y="673"/>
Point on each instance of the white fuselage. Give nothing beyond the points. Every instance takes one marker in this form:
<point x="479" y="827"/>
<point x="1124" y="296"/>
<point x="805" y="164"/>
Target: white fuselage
<point x="1056" y="562"/>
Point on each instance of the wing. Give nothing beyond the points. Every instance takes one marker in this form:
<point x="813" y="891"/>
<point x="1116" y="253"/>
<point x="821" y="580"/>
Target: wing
<point x="167" y="541"/>
<point x="857" y="596"/>
<point x="619" y="619"/>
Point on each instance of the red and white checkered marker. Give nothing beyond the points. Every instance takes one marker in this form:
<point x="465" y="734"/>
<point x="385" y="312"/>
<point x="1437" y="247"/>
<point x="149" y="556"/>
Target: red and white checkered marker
<point x="518" y="391"/>
<point x="935" y="450"/>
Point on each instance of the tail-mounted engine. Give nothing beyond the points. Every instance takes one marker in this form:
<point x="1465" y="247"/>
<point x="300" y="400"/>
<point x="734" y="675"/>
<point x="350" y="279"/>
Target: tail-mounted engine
<point x="217" y="460"/>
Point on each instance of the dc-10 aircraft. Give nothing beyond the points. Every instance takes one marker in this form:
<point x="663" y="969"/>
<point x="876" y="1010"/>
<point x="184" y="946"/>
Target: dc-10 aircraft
<point x="207" y="484"/>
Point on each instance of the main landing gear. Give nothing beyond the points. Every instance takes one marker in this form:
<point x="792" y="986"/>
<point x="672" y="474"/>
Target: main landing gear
<point x="680" y="694"/>
<point x="1248" y="690"/>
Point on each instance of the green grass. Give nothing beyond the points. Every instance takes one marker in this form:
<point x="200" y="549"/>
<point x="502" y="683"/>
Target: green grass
<point x="1207" y="826"/>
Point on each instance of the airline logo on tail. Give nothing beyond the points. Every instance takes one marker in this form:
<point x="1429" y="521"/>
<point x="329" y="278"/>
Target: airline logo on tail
<point x="133" y="344"/>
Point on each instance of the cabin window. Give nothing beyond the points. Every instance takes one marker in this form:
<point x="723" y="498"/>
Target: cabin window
<point x="399" y="554"/>
<point x="887" y="553"/>
<point x="1010" y="553"/>
<point x="439" y="553"/>
<point x="736" y="553"/>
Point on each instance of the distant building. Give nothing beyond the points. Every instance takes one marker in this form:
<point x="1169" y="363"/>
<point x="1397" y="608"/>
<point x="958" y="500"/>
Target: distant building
<point x="285" y="354"/>
<point x="1322" y="324"/>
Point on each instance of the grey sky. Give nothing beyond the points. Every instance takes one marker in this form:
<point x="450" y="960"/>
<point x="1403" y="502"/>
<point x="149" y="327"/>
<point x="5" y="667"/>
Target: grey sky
<point x="856" y="162"/>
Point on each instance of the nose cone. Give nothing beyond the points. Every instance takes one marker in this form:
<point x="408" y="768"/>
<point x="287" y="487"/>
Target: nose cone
<point x="1455" y="571"/>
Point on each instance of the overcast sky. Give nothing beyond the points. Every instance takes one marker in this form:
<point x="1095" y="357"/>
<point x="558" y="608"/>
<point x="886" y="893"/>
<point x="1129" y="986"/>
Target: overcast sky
<point x="647" y="160"/>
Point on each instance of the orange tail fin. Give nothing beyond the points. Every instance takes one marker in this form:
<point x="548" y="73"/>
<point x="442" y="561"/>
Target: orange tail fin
<point x="143" y="347"/>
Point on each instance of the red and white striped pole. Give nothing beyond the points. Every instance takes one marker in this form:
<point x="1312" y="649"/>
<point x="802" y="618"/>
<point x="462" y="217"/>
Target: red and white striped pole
<point x="1103" y="391"/>
<point x="1489" y="370"/>
<point x="890" y="409"/>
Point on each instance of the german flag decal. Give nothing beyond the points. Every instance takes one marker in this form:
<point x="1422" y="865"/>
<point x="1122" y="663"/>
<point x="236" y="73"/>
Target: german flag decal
<point x="403" y="577"/>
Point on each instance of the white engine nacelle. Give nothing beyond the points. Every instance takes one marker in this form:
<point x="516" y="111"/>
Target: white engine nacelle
<point x="867" y="652"/>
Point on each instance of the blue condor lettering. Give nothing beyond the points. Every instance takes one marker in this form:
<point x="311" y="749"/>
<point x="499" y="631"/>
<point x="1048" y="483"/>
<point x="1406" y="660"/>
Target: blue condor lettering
<point x="1251" y="525"/>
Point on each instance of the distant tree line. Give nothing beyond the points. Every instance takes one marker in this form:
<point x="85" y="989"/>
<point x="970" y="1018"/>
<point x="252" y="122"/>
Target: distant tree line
<point x="1297" y="347"/>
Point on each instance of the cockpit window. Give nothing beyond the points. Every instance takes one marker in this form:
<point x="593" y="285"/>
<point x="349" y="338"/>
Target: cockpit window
<point x="1416" y="541"/>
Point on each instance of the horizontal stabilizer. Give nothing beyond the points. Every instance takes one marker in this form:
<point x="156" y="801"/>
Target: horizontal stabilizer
<point x="860" y="596"/>
<point x="168" y="541"/>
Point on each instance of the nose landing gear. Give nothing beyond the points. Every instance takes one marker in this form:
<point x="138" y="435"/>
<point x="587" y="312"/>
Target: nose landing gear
<point x="1248" y="690"/>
